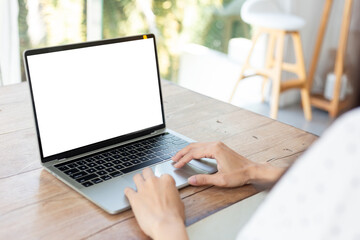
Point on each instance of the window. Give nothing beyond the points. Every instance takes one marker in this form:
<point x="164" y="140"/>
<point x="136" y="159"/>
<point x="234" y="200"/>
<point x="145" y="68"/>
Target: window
<point x="175" y="22"/>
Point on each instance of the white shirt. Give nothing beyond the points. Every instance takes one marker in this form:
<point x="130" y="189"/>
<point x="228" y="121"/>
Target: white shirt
<point x="319" y="196"/>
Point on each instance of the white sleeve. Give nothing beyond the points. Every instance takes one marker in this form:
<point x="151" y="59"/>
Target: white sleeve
<point x="319" y="196"/>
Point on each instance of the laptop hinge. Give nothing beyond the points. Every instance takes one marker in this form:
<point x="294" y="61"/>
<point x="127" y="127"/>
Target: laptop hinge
<point x="156" y="132"/>
<point x="61" y="160"/>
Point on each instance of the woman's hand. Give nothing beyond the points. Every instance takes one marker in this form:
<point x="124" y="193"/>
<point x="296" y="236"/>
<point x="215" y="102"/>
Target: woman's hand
<point x="157" y="206"/>
<point x="233" y="169"/>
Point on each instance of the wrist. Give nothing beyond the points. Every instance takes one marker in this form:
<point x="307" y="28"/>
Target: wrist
<point x="170" y="227"/>
<point x="264" y="174"/>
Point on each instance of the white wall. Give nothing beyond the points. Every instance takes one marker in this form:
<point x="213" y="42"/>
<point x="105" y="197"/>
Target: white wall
<point x="9" y="43"/>
<point x="311" y="11"/>
<point x="213" y="74"/>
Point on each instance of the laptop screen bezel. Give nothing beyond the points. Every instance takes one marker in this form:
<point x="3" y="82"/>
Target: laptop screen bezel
<point x="104" y="143"/>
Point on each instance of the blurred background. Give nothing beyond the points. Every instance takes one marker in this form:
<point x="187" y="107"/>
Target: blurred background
<point x="202" y="44"/>
<point x="175" y="22"/>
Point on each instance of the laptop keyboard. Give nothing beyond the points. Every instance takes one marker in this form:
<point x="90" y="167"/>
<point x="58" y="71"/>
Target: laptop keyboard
<point x="112" y="163"/>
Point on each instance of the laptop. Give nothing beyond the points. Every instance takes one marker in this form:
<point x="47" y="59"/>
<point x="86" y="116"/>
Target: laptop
<point x="99" y="117"/>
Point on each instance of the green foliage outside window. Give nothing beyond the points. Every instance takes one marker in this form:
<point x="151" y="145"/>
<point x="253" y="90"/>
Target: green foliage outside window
<point x="176" y="22"/>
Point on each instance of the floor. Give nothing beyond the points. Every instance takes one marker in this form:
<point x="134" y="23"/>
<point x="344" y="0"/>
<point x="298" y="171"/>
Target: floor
<point x="294" y="116"/>
<point x="248" y="96"/>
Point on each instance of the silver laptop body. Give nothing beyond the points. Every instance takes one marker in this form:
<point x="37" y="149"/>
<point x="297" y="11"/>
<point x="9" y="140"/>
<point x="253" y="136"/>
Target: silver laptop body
<point x="96" y="99"/>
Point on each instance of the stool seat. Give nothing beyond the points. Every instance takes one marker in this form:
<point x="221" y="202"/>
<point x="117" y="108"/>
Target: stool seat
<point x="281" y="21"/>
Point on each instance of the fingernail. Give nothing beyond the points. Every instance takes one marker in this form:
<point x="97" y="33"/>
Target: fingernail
<point x="192" y="180"/>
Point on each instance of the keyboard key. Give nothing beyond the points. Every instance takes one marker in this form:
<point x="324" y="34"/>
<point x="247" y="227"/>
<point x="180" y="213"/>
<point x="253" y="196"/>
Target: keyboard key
<point x="145" y="143"/>
<point x="143" y="159"/>
<point x="108" y="164"/>
<point x="91" y="164"/>
<point x="110" y="169"/>
<point x="115" y="174"/>
<point x="129" y="147"/>
<point x="96" y="180"/>
<point x="100" y="162"/>
<point x="108" y="159"/>
<point x="119" y="167"/>
<point x="63" y="168"/>
<point x="72" y="165"/>
<point x="180" y="142"/>
<point x="132" y="151"/>
<point x="86" y="178"/>
<point x="101" y="172"/>
<point x="127" y="164"/>
<point x="90" y="170"/>
<point x="156" y="149"/>
<point x="116" y="162"/>
<point x="106" y="177"/>
<point x="82" y="167"/>
<point x="125" y="159"/>
<point x="136" y="161"/>
<point x="141" y="165"/>
<point x="89" y="160"/>
<point x="140" y="154"/>
<point x="98" y="157"/>
<point x="105" y="154"/>
<point x="167" y="136"/>
<point x="71" y="171"/>
<point x="87" y="184"/>
<point x="79" y="175"/>
<point x="116" y="156"/>
<point x="100" y="167"/>
<point x="165" y="156"/>
<point x="121" y="150"/>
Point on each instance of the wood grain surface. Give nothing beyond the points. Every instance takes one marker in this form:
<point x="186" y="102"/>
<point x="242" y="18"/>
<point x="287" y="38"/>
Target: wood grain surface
<point x="35" y="205"/>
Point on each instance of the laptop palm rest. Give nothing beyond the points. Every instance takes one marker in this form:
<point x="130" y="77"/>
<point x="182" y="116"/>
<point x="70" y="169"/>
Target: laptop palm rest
<point x="109" y="195"/>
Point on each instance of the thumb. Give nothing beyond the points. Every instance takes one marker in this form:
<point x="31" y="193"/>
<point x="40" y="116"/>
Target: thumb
<point x="204" y="179"/>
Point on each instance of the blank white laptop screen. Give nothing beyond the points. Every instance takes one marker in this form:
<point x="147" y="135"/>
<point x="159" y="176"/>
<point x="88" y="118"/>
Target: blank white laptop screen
<point x="87" y="95"/>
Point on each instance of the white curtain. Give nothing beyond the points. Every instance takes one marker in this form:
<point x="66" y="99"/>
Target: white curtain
<point x="9" y="43"/>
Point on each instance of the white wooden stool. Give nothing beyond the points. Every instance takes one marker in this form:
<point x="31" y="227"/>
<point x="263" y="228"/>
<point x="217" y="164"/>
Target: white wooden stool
<point x="268" y="19"/>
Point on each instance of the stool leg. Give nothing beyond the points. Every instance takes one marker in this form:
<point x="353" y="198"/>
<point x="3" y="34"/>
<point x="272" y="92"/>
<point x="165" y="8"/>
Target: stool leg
<point x="276" y="79"/>
<point x="246" y="64"/>
<point x="305" y="92"/>
<point x="268" y="62"/>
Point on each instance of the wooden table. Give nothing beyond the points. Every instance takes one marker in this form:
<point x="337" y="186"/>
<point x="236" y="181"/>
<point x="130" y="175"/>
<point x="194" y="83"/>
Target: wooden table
<point x="35" y="205"/>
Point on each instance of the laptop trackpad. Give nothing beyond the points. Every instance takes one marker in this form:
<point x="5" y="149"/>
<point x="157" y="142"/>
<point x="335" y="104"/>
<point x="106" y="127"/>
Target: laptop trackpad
<point x="109" y="195"/>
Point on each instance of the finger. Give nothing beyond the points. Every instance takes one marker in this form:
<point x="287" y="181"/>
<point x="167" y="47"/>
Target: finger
<point x="195" y="153"/>
<point x="181" y="153"/>
<point x="168" y="178"/>
<point x="189" y="148"/>
<point x="139" y="180"/>
<point x="148" y="173"/>
<point x="205" y="179"/>
<point x="184" y="160"/>
<point x="129" y="193"/>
